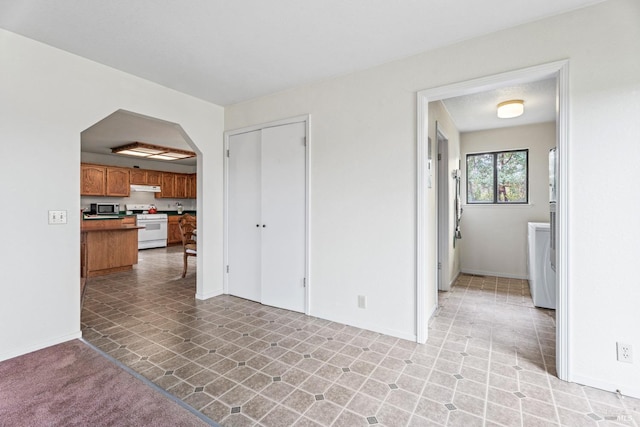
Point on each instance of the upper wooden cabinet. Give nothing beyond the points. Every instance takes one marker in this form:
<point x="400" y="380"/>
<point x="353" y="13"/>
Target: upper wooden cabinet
<point x="138" y="176"/>
<point x="97" y="180"/>
<point x="192" y="186"/>
<point x="118" y="182"/>
<point x="93" y="180"/>
<point x="180" y="185"/>
<point x="167" y="187"/>
<point x="154" y="178"/>
<point x="145" y="177"/>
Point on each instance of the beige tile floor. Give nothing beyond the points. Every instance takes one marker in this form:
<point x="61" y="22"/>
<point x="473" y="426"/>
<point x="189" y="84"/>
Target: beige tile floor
<point x="489" y="360"/>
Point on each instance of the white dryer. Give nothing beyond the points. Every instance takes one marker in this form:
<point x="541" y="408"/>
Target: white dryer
<point x="542" y="278"/>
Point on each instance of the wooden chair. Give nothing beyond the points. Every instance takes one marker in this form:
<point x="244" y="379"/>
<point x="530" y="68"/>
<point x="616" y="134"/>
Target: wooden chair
<point x="187" y="225"/>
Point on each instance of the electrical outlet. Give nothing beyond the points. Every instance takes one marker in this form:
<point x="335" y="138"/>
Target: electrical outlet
<point x="57" y="217"/>
<point x="362" y="301"/>
<point x="625" y="352"/>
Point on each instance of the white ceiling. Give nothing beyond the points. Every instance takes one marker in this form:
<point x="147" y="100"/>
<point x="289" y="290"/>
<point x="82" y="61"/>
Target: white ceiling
<point x="123" y="127"/>
<point x="227" y="51"/>
<point x="479" y="111"/>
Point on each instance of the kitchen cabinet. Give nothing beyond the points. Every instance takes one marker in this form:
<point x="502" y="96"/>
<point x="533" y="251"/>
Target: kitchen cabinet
<point x="180" y="185"/>
<point x="113" y="181"/>
<point x="192" y="186"/>
<point x="117" y="182"/>
<point x="145" y="177"/>
<point x="97" y="180"/>
<point x="93" y="180"/>
<point x="138" y="176"/>
<point x="266" y="214"/>
<point x="108" y="246"/>
<point x="173" y="230"/>
<point x="177" y="186"/>
<point x="154" y="178"/>
<point x="167" y="187"/>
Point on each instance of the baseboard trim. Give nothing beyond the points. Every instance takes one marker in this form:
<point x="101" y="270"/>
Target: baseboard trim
<point x="494" y="273"/>
<point x="453" y="280"/>
<point x="208" y="295"/>
<point x="629" y="390"/>
<point x="369" y="327"/>
<point x="44" y="344"/>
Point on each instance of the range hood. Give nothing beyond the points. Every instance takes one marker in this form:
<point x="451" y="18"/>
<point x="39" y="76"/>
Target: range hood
<point x="146" y="188"/>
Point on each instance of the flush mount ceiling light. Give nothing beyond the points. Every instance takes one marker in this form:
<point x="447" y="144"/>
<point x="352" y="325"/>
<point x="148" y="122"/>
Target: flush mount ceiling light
<point x="510" y="109"/>
<point x="150" y="151"/>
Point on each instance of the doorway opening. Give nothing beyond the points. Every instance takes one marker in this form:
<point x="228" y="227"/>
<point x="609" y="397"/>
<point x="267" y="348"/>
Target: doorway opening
<point x="176" y="182"/>
<point x="427" y="205"/>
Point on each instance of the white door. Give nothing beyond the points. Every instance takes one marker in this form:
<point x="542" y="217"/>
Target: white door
<point x="244" y="236"/>
<point x="283" y="216"/>
<point x="267" y="216"/>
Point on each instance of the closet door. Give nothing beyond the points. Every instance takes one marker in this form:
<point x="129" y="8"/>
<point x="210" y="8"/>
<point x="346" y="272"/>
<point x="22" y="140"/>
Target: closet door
<point x="284" y="216"/>
<point x="243" y="210"/>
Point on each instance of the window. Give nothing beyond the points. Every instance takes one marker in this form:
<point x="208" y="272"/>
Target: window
<point x="501" y="177"/>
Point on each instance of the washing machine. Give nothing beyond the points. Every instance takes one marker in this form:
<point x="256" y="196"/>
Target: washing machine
<point x="542" y="278"/>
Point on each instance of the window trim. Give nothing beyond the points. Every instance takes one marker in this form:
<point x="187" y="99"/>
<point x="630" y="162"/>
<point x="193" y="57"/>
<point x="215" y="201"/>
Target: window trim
<point x="495" y="154"/>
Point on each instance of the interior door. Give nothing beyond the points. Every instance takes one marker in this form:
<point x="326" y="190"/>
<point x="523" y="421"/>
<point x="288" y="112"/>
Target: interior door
<point x="243" y="209"/>
<point x="284" y="216"/>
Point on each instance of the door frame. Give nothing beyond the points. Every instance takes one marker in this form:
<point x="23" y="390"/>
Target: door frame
<point x="425" y="218"/>
<point x="443" y="214"/>
<point x="306" y="119"/>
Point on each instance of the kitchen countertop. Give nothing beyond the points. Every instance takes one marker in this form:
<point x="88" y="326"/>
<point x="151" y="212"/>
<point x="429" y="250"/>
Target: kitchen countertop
<point x="118" y="227"/>
<point x="175" y="213"/>
<point x="90" y="217"/>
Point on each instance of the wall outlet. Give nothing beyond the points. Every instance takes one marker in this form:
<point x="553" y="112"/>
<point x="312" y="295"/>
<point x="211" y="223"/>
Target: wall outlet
<point x="625" y="352"/>
<point x="57" y="217"/>
<point x="362" y="301"/>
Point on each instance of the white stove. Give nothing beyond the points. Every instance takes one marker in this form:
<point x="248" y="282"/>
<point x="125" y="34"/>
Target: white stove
<point x="154" y="233"/>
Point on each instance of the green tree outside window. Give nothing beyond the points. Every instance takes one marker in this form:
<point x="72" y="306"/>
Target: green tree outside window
<point x="498" y="178"/>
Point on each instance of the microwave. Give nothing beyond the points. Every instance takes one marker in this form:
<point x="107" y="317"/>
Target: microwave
<point x="104" y="208"/>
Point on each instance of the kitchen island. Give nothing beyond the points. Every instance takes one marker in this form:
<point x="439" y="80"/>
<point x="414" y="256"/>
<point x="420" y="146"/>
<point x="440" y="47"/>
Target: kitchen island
<point x="108" y="246"/>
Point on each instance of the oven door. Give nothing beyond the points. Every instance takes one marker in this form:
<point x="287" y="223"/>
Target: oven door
<point x="154" y="233"/>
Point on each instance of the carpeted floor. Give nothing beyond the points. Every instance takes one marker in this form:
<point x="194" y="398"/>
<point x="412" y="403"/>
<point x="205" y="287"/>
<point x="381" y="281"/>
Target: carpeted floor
<point x="71" y="384"/>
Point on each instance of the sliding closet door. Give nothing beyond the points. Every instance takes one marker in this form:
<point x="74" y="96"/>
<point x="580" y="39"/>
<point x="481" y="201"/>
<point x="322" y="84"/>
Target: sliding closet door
<point x="284" y="216"/>
<point x="244" y="225"/>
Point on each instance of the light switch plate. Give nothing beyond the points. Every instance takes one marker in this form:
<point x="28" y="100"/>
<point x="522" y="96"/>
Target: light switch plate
<point x="57" y="217"/>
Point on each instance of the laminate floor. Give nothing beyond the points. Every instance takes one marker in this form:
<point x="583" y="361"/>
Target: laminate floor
<point x="489" y="360"/>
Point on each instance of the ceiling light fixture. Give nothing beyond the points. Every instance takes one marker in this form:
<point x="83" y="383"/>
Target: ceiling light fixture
<point x="150" y="151"/>
<point x="510" y="109"/>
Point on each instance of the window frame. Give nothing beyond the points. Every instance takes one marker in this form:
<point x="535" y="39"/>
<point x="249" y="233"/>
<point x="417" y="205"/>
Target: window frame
<point x="495" y="155"/>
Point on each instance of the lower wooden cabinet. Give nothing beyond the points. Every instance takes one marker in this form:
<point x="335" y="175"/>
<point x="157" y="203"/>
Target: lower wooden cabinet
<point x="108" y="246"/>
<point x="173" y="231"/>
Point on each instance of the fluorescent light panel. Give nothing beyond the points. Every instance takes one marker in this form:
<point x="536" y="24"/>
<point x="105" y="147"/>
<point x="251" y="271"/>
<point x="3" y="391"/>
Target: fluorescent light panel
<point x="150" y="151"/>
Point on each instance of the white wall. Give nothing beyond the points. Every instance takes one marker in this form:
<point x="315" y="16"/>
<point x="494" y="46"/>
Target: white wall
<point x="47" y="97"/>
<point x="438" y="113"/>
<point x="363" y="174"/>
<point x="494" y="239"/>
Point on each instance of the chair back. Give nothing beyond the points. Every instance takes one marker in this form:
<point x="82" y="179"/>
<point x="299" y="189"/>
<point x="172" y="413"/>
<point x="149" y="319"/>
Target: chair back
<point x="187" y="223"/>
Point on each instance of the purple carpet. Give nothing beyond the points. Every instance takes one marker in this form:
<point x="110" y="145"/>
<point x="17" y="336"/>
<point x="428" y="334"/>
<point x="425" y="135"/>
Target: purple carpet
<point x="71" y="384"/>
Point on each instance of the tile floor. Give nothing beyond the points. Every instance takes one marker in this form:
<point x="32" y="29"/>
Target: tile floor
<point x="489" y="360"/>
